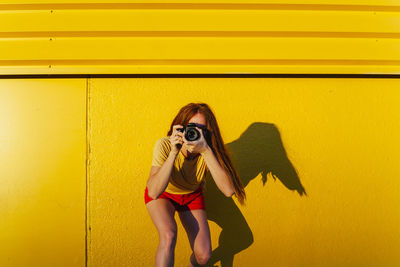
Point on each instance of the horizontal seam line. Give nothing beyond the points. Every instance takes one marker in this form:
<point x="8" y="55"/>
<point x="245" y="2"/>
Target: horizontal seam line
<point x="198" y="62"/>
<point x="283" y="34"/>
<point x="240" y="6"/>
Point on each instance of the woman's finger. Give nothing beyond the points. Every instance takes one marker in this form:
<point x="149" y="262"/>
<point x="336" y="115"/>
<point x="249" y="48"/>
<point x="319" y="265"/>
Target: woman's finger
<point x="176" y="126"/>
<point x="178" y="133"/>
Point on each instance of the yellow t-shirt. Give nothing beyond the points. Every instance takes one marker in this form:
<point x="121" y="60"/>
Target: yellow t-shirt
<point x="186" y="175"/>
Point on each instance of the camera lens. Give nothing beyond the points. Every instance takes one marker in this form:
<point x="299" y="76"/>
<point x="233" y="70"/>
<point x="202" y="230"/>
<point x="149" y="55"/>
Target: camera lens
<point x="192" y="134"/>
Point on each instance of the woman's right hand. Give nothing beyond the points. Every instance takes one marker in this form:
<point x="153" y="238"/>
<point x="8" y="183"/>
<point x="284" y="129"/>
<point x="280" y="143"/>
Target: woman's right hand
<point x="176" y="139"/>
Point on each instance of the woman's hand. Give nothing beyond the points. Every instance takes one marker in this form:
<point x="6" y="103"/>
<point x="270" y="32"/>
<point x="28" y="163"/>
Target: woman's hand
<point x="198" y="146"/>
<point x="176" y="139"/>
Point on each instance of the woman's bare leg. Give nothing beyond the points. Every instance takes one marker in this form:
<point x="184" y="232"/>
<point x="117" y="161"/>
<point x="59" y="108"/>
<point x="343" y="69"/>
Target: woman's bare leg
<point x="162" y="214"/>
<point x="196" y="226"/>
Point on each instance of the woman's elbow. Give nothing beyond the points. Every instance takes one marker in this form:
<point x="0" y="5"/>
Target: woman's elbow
<point x="151" y="194"/>
<point x="229" y="193"/>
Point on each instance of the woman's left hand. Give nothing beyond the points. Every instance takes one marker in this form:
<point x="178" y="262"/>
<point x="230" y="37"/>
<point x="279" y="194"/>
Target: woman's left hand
<point x="198" y="146"/>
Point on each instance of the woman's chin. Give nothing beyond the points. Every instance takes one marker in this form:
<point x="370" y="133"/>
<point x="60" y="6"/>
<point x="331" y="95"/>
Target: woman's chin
<point x="191" y="154"/>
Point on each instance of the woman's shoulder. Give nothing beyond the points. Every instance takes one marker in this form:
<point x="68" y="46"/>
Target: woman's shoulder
<point x="165" y="139"/>
<point x="164" y="142"/>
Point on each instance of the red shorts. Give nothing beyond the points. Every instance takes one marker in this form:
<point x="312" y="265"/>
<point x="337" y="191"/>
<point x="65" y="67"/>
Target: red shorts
<point x="182" y="202"/>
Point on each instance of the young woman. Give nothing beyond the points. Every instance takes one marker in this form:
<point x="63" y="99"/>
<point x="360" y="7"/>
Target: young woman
<point x="176" y="183"/>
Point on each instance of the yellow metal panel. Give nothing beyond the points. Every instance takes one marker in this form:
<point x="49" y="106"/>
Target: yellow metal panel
<point x="331" y="68"/>
<point x="340" y="137"/>
<point x="48" y="37"/>
<point x="203" y="54"/>
<point x="194" y="48"/>
<point x="201" y="22"/>
<point x="42" y="172"/>
<point x="284" y="2"/>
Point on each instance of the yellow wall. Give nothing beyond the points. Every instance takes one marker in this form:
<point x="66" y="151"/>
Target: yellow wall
<point x="337" y="138"/>
<point x="72" y="181"/>
<point x="42" y="172"/>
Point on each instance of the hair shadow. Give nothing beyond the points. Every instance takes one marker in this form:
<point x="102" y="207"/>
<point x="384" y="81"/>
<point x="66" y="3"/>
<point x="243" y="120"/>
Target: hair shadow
<point x="259" y="150"/>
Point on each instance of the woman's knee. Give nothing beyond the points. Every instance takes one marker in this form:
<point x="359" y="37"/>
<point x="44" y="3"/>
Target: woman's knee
<point x="203" y="256"/>
<point x="168" y="237"/>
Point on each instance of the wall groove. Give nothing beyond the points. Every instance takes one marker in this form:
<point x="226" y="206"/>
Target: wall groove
<point x="216" y="6"/>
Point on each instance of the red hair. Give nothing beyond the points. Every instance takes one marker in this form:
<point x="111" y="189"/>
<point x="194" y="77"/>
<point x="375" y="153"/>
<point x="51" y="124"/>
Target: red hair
<point x="214" y="141"/>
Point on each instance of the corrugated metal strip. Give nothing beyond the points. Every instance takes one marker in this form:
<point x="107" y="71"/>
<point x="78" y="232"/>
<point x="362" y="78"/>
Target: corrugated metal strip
<point x="214" y="3"/>
<point x="199" y="38"/>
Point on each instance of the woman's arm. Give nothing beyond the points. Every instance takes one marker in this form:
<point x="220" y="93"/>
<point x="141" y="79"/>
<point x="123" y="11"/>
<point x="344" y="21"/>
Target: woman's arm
<point x="220" y="176"/>
<point x="159" y="179"/>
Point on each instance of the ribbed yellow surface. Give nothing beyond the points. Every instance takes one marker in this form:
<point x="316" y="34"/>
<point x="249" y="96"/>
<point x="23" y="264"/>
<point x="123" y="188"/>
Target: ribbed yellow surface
<point x="74" y="37"/>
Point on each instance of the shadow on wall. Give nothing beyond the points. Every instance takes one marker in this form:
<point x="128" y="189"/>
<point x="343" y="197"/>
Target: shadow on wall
<point x="258" y="150"/>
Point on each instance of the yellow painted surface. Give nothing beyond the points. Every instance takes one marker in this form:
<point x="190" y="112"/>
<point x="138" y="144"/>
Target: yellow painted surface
<point x="383" y="3"/>
<point x="231" y="36"/>
<point x="42" y="172"/>
<point x="336" y="138"/>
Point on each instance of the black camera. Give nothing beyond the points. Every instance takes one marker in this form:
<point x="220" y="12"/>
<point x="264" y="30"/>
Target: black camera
<point x="191" y="133"/>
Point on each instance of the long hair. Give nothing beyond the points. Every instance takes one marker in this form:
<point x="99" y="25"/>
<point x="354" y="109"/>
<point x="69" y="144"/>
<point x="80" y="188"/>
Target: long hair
<point x="214" y="141"/>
